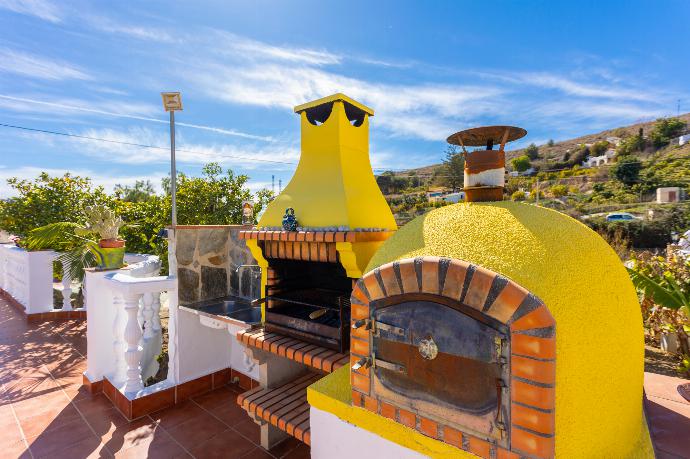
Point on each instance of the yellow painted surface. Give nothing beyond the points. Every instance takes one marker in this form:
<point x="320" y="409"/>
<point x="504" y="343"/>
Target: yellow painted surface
<point x="334" y="184"/>
<point x="599" y="336"/>
<point x="253" y="246"/>
<point x="337" y="96"/>
<point x="333" y="395"/>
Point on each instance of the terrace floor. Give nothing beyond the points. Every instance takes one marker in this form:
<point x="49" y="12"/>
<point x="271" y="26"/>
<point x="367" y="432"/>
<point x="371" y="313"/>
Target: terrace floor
<point x="45" y="412"/>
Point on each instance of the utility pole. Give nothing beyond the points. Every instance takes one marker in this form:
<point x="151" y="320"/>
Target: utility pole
<point x="280" y="186"/>
<point x="172" y="101"/>
<point x="273" y="184"/>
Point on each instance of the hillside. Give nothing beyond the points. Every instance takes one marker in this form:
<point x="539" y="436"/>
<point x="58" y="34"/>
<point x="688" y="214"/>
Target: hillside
<point x="557" y="151"/>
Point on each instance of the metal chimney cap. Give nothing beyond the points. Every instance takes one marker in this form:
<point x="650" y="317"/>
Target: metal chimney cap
<point x="480" y="136"/>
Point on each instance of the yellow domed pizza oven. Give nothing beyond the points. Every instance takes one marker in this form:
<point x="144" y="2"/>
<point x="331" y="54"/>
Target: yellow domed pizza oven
<point x="504" y="329"/>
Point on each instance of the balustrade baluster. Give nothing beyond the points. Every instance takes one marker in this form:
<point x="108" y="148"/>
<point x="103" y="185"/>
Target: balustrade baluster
<point x="156" y="327"/>
<point x="133" y="334"/>
<point x="66" y="290"/>
<point x="148" y="315"/>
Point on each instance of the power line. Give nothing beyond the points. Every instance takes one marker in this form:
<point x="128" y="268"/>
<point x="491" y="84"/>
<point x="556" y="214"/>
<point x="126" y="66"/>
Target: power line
<point x="157" y="147"/>
<point x="141" y="145"/>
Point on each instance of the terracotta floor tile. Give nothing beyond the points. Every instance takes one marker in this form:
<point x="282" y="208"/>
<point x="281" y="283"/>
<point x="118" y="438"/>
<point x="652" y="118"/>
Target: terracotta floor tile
<point x="192" y="433"/>
<point x="48" y="420"/>
<point x="16" y="449"/>
<point x="285" y="447"/>
<point x="216" y="398"/>
<point x="130" y="434"/>
<point x="225" y="444"/>
<point x="669" y="425"/>
<point x="9" y="430"/>
<point x="104" y="423"/>
<point x="86" y="449"/>
<point x="161" y="446"/>
<point x="46" y="403"/>
<point x="249" y="429"/>
<point x="55" y="440"/>
<point x="301" y="452"/>
<point x="664" y="387"/>
<point x="93" y="404"/>
<point x="258" y="453"/>
<point x="231" y="414"/>
<point x="175" y="415"/>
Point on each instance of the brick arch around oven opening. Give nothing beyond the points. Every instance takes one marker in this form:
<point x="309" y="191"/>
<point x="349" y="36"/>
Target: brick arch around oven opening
<point x="532" y="348"/>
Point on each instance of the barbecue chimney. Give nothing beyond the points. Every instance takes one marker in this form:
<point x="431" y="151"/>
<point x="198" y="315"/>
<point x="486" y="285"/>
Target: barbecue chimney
<point x="334" y="185"/>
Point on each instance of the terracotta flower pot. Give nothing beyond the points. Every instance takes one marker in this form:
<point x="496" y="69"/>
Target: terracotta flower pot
<point x="111" y="243"/>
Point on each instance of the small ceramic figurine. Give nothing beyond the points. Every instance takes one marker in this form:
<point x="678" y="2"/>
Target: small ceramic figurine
<point x="289" y="220"/>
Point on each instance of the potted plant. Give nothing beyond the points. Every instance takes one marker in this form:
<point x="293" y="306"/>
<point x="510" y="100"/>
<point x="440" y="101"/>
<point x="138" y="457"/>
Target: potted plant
<point x="109" y="250"/>
<point x="94" y="244"/>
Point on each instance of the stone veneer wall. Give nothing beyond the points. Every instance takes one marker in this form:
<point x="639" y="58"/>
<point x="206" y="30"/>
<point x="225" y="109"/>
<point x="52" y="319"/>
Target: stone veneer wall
<point x="207" y="260"/>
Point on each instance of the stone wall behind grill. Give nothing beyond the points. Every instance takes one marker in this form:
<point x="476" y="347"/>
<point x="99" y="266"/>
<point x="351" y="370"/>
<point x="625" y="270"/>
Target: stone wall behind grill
<point x="207" y="260"/>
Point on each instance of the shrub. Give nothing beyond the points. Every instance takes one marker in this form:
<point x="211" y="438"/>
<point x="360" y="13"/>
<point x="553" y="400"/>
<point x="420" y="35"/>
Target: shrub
<point x="521" y="163"/>
<point x="519" y="195"/>
<point x="559" y="191"/>
<point x="665" y="129"/>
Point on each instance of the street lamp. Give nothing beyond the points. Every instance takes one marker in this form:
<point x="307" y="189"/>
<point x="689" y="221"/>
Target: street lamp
<point x="172" y="101"/>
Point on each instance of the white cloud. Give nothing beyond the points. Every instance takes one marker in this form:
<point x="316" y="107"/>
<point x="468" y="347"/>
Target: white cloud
<point x="38" y="67"/>
<point x="420" y="111"/>
<point x="42" y="9"/>
<point x="148" y="32"/>
<point x="125" y="147"/>
<point x="117" y="109"/>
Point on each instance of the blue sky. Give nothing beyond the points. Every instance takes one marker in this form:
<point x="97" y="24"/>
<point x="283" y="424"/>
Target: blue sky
<point x="558" y="69"/>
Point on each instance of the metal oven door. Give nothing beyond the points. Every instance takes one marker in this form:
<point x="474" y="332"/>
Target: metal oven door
<point x="431" y="357"/>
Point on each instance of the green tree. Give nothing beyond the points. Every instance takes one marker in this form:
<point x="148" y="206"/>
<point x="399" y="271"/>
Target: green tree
<point x="631" y="144"/>
<point x="141" y="191"/>
<point x="48" y="200"/>
<point x="453" y="168"/>
<point x="599" y="148"/>
<point x="550" y="143"/>
<point x="521" y="163"/>
<point x="532" y="151"/>
<point x="665" y="129"/>
<point x="627" y="170"/>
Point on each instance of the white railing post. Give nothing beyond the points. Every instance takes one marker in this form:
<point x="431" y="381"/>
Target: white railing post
<point x="133" y="334"/>
<point x="148" y="315"/>
<point x="156" y="325"/>
<point x="66" y="290"/>
<point x="119" y="349"/>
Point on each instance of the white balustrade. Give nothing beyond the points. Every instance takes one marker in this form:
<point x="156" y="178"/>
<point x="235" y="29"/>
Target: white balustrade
<point x="27" y="277"/>
<point x="136" y="343"/>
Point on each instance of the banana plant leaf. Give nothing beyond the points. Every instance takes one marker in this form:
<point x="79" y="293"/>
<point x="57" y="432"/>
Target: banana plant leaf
<point x="669" y="296"/>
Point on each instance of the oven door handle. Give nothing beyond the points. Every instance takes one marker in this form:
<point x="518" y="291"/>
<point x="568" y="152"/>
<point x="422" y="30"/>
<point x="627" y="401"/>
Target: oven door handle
<point x="401" y="332"/>
<point x="378" y="363"/>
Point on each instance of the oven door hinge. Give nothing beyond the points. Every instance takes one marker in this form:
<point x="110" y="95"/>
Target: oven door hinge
<point x="378" y="363"/>
<point x="363" y="362"/>
<point x="366" y="323"/>
<point x="498" y="344"/>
